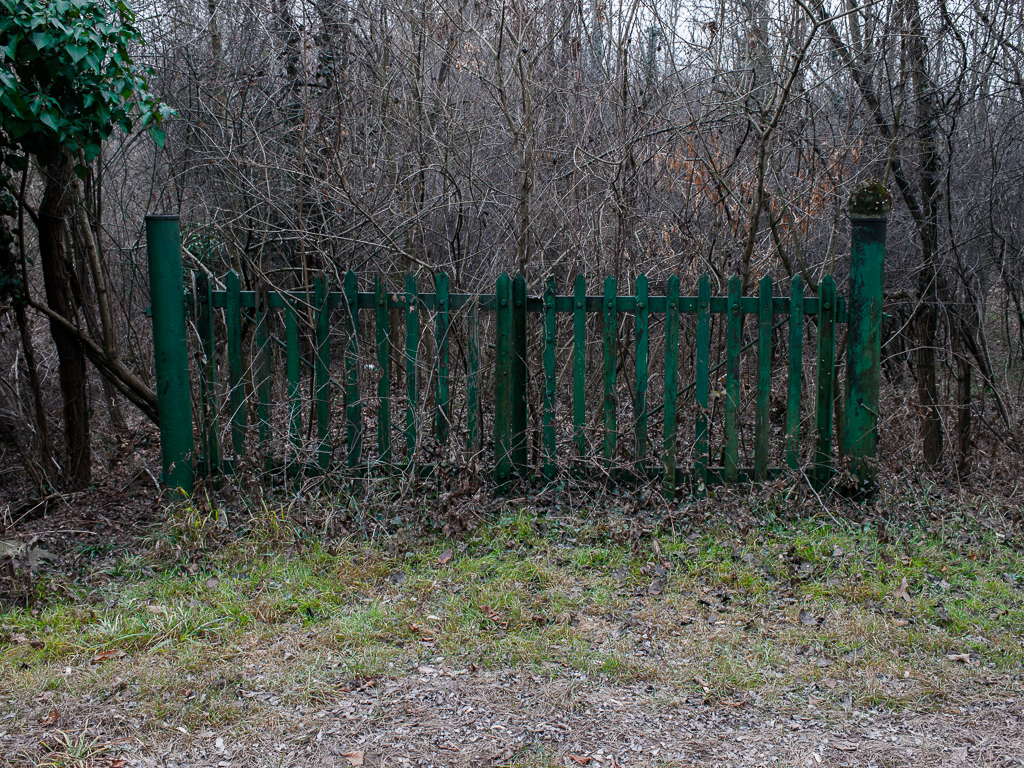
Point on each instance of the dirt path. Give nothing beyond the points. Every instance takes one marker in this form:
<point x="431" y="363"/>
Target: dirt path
<point x="443" y="717"/>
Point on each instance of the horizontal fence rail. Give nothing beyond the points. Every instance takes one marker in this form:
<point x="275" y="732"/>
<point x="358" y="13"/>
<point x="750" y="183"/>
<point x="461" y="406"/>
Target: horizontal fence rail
<point x="520" y="358"/>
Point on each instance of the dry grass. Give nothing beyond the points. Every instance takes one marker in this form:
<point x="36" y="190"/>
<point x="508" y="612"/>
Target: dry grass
<point x="201" y="632"/>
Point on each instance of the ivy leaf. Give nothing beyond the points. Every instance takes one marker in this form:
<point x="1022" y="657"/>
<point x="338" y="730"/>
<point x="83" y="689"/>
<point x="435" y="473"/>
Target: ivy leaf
<point x="77" y="52"/>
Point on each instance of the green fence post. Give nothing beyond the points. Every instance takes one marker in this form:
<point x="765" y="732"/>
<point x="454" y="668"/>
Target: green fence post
<point x="642" y="350"/>
<point x="826" y="372"/>
<point x="870" y="204"/>
<point x="519" y="447"/>
<point x="610" y="336"/>
<point x="384" y="362"/>
<point x="441" y="332"/>
<point x="503" y="383"/>
<point x="701" y="373"/>
<point x="671" y="383"/>
<point x="734" y="309"/>
<point x="794" y="383"/>
<point x="549" y="379"/>
<point x="762" y="416"/>
<point x="170" y="351"/>
<point x="579" y="366"/>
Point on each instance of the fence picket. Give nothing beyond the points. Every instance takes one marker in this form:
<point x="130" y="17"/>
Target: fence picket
<point x="503" y="383"/>
<point x="796" y="372"/>
<point x="732" y="380"/>
<point x="826" y="371"/>
<point x="550" y="292"/>
<point x="353" y="404"/>
<point x="236" y="369"/>
<point x="292" y="372"/>
<point x="671" y="383"/>
<point x="208" y="383"/>
<point x="263" y="374"/>
<point x="473" y="415"/>
<point x="442" y="332"/>
<point x="322" y="371"/>
<point x="519" y="446"/>
<point x="610" y="337"/>
<point x="762" y="422"/>
<point x="412" y="343"/>
<point x="642" y="351"/>
<point x="701" y="373"/>
<point x="579" y="365"/>
<point x="380" y="306"/>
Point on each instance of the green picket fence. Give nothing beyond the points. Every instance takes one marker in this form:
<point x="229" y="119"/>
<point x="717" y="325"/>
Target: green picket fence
<point x="244" y="335"/>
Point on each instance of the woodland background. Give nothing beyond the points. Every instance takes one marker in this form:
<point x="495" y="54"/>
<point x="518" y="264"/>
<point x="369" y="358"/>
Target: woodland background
<point x="549" y="137"/>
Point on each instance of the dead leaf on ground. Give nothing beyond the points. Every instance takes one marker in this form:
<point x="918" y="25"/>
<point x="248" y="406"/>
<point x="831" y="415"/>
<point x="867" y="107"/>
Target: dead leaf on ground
<point x="20" y="639"/>
<point x="964" y="658"/>
<point x="354" y="758"/>
<point x="445" y="557"/>
<point x="903" y="590"/>
<point x="941" y="614"/>
<point x="494" y="616"/>
<point x="47" y="720"/>
<point x="113" y="762"/>
<point x="213" y="582"/>
<point x="579" y="760"/>
<point x="115" y="653"/>
<point x="656" y="588"/>
<point x="807" y="618"/>
<point x="843" y="745"/>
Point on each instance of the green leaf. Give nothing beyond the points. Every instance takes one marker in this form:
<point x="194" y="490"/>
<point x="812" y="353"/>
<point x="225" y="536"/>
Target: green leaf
<point x="77" y="52"/>
<point x="49" y="119"/>
<point x="41" y="40"/>
<point x="158" y="136"/>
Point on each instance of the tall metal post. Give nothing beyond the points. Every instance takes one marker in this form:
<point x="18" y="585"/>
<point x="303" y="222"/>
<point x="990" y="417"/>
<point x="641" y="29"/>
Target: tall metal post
<point x="173" y="389"/>
<point x="870" y="204"/>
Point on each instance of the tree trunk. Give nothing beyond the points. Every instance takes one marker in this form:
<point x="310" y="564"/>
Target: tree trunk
<point x="927" y="321"/>
<point x="53" y="212"/>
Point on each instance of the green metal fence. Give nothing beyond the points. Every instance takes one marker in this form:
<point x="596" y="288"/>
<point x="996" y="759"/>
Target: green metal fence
<point x="324" y="340"/>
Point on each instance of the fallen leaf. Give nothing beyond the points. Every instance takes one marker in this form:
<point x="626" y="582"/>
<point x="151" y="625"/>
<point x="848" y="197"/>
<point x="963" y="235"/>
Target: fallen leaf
<point x="965" y="658"/>
<point x="903" y="590"/>
<point x="354" y="758"/>
<point x="807" y="618"/>
<point x="656" y="588"/>
<point x="212" y="583"/>
<point x="901" y="622"/>
<point x="115" y="653"/>
<point x="156" y="609"/>
<point x="494" y="616"/>
<point x="445" y="557"/>
<point x="579" y="760"/>
<point x="845" y="746"/>
<point x="114" y="762"/>
<point x="20" y="639"/>
<point x="941" y="614"/>
<point x="47" y="720"/>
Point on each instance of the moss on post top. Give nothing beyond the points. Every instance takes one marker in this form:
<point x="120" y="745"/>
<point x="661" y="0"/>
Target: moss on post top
<point x="870" y="200"/>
